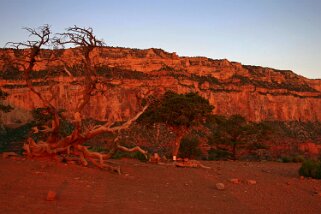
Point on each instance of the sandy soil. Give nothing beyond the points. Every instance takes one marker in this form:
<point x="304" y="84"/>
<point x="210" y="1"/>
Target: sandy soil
<point x="149" y="188"/>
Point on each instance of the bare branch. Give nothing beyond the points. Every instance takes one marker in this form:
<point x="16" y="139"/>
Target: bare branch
<point x="108" y="128"/>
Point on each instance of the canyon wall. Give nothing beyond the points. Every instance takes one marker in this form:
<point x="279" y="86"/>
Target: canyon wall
<point x="254" y="92"/>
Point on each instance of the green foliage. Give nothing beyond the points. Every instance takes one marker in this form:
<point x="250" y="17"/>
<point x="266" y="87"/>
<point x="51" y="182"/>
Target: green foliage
<point x="235" y="133"/>
<point x="4" y="108"/>
<point x="41" y="115"/>
<point x="291" y="80"/>
<point x="98" y="148"/>
<point x="258" y="145"/>
<point x="12" y="136"/>
<point x="190" y="148"/>
<point x="202" y="79"/>
<point x="120" y="73"/>
<point x="298" y="159"/>
<point x="292" y="159"/>
<point x="311" y="168"/>
<point x="231" y="131"/>
<point x="135" y="155"/>
<point x="11" y="73"/>
<point x="294" y="129"/>
<point x="157" y="138"/>
<point x="65" y="128"/>
<point x="219" y="154"/>
<point x="177" y="110"/>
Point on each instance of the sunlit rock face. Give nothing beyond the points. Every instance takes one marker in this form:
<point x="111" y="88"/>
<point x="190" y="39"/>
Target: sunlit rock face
<point x="256" y="93"/>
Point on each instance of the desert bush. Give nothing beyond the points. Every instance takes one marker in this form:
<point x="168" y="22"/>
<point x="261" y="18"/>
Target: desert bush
<point x="13" y="136"/>
<point x="135" y="155"/>
<point x="219" y="154"/>
<point x="297" y="159"/>
<point x="285" y="159"/>
<point x="190" y="148"/>
<point x="311" y="168"/>
<point x="98" y="148"/>
<point x="291" y="159"/>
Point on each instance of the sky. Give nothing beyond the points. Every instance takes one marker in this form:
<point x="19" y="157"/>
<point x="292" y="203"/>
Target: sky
<point x="282" y="34"/>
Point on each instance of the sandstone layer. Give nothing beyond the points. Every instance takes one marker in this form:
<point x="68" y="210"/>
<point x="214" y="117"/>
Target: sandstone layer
<point x="257" y="93"/>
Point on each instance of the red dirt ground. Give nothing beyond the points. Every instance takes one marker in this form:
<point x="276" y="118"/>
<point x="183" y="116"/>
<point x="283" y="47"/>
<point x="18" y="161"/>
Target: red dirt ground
<point x="149" y="188"/>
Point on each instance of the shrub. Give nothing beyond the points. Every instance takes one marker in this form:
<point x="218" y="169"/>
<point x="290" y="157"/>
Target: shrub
<point x="12" y="138"/>
<point x="292" y="159"/>
<point x="311" y="168"/>
<point x="286" y="159"/>
<point x="297" y="159"/>
<point x="135" y="155"/>
<point x="190" y="148"/>
<point x="219" y="154"/>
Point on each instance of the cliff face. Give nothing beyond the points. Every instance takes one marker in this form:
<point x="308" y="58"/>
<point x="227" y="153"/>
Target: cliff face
<point x="256" y="93"/>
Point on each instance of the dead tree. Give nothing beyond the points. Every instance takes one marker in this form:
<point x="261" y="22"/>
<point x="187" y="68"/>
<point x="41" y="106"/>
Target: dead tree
<point x="84" y="41"/>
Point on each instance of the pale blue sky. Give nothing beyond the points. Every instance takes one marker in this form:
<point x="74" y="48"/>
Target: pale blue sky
<point x="284" y="34"/>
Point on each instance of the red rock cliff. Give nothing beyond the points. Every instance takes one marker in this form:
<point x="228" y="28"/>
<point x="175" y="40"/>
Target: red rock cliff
<point x="257" y="93"/>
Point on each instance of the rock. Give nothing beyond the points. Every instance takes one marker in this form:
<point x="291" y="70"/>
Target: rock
<point x="220" y="186"/>
<point x="155" y="158"/>
<point x="266" y="171"/>
<point x="51" y="196"/>
<point x="72" y="162"/>
<point x="251" y="182"/>
<point x="9" y="154"/>
<point x="310" y="148"/>
<point x="234" y="180"/>
<point x="268" y="100"/>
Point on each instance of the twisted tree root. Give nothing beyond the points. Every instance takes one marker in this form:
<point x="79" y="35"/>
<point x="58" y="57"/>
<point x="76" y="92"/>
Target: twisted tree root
<point x="33" y="149"/>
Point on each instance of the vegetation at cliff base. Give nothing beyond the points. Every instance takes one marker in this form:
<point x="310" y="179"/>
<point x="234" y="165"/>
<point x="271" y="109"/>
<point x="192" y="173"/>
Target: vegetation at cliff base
<point x="311" y="168"/>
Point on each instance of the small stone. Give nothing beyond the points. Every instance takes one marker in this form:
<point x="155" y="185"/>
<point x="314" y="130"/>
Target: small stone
<point x="155" y="158"/>
<point x="266" y="171"/>
<point x="301" y="177"/>
<point x="251" y="182"/>
<point x="220" y="186"/>
<point x="9" y="154"/>
<point x="51" y="196"/>
<point x="234" y="180"/>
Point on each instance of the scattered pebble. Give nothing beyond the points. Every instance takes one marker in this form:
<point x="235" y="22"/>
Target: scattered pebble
<point x="251" y="182"/>
<point x="235" y="180"/>
<point x="220" y="186"/>
<point x="9" y="154"/>
<point x="51" y="196"/>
